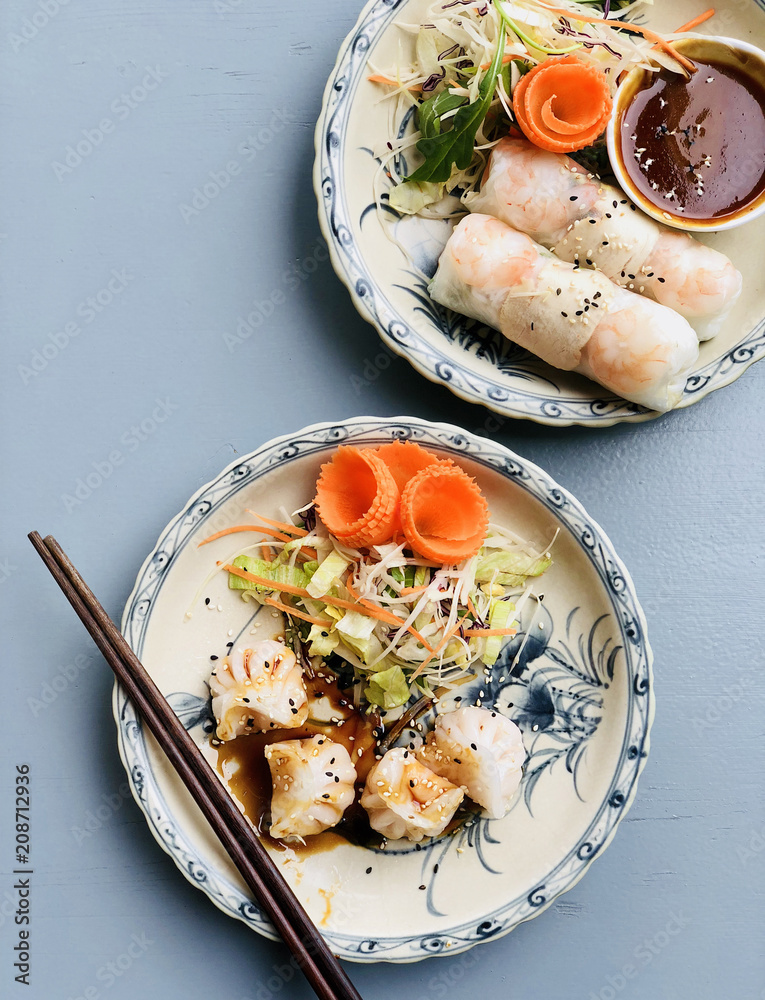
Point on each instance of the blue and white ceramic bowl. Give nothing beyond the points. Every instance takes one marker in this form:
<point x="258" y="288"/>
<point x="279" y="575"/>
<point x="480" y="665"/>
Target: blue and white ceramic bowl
<point x="581" y="691"/>
<point x="389" y="286"/>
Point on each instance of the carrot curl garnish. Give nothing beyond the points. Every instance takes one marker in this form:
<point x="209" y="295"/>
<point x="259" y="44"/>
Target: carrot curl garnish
<point x="562" y="104"/>
<point x="357" y="497"/>
<point x="444" y="514"/>
<point x="405" y="459"/>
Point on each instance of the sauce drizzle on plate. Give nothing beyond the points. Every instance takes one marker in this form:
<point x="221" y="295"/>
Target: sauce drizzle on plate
<point x="242" y="763"/>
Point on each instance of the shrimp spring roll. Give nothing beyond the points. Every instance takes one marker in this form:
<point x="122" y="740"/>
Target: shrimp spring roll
<point x="556" y="202"/>
<point x="572" y="318"/>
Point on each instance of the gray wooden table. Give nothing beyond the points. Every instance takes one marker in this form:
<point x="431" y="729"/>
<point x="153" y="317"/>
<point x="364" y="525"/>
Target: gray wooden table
<point x="156" y="180"/>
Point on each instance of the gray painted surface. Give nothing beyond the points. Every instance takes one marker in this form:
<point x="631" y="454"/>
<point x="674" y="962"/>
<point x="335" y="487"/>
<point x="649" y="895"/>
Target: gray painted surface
<point x="682" y="499"/>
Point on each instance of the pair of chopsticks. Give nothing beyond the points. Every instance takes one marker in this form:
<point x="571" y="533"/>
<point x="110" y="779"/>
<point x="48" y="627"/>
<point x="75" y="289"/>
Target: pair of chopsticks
<point x="271" y="892"/>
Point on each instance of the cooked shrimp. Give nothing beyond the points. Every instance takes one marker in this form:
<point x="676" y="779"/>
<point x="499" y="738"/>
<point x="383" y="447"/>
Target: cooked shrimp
<point x="540" y="193"/>
<point x="550" y="197"/>
<point x="258" y="688"/>
<point x="480" y="751"/>
<point x="489" y="256"/>
<point x="637" y="357"/>
<point x="698" y="281"/>
<point x="313" y="784"/>
<point x="404" y="798"/>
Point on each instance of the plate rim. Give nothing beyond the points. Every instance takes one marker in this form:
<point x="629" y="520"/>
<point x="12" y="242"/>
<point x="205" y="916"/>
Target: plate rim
<point x="136" y="778"/>
<point x="740" y="356"/>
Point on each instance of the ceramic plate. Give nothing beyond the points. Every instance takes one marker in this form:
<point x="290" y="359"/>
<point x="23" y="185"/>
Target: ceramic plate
<point x="581" y="691"/>
<point x="391" y="292"/>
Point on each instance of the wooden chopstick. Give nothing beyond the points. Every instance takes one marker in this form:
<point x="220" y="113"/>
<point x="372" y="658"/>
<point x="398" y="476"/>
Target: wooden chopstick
<point x="271" y="892"/>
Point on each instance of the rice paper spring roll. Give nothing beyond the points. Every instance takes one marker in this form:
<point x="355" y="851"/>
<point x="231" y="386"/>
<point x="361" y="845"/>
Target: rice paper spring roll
<point x="554" y="200"/>
<point x="570" y="317"/>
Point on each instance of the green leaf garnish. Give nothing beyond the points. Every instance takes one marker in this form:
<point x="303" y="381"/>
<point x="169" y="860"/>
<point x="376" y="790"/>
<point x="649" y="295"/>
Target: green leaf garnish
<point x="443" y="149"/>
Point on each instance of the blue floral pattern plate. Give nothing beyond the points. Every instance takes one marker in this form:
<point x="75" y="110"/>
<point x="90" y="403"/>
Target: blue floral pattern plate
<point x="577" y="680"/>
<point x="389" y="286"/>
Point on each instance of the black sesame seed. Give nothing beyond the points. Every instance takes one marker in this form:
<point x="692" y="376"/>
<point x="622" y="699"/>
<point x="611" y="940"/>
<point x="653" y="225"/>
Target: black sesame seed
<point x="294" y="711"/>
<point x="337" y="779"/>
<point x="332" y="761"/>
<point x="423" y="887"/>
<point x="631" y="277"/>
<point x="597" y="295"/>
<point x="608" y="215"/>
<point x="411" y="783"/>
<point x="579" y="312"/>
<point x="593" y="221"/>
<point x="246" y="701"/>
<point x="473" y="746"/>
<point x="662" y="280"/>
<point x="369" y="871"/>
<point x="633" y="208"/>
<point x="532" y="326"/>
<point x="325" y="795"/>
<point x="558" y="291"/>
<point x="291" y="701"/>
<point x="457" y="760"/>
<point x="435" y="869"/>
<point x="251" y="722"/>
<point x="588" y="261"/>
<point x="604" y="243"/>
<point x="564" y="314"/>
<point x="207" y="600"/>
<point x="328" y="774"/>
<point x="572" y="197"/>
<point x="230" y="644"/>
<point x="213" y="657"/>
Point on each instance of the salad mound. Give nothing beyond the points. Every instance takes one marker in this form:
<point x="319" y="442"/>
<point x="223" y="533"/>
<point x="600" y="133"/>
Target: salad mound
<point x="395" y="578"/>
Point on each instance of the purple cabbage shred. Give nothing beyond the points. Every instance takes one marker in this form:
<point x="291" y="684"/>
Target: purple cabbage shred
<point x="433" y="81"/>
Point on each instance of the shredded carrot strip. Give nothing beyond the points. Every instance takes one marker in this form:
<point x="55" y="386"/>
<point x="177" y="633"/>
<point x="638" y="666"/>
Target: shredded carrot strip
<point x="246" y="527"/>
<point x="282" y="525"/>
<point x="379" y="78"/>
<point x="506" y="58"/>
<point x="651" y="36"/>
<point x="696" y="21"/>
<point x="288" y="610"/>
<point x="436" y="651"/>
<point x="412" y="590"/>
<point x="287" y="588"/>
<point x="265" y="551"/>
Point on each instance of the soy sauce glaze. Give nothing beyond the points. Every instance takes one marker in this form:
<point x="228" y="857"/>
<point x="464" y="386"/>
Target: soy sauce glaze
<point x="242" y="763"/>
<point x="696" y="147"/>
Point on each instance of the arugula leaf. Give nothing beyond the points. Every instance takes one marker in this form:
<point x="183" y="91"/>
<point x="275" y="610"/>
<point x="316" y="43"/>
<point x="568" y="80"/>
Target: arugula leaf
<point x="430" y="111"/>
<point x="442" y="149"/>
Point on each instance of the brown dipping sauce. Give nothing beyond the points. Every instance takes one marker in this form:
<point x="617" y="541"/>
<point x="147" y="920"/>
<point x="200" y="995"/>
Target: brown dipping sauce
<point x="696" y="147"/>
<point x="242" y="763"/>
